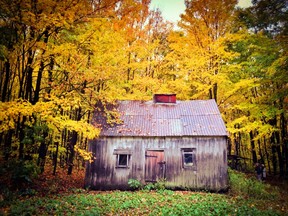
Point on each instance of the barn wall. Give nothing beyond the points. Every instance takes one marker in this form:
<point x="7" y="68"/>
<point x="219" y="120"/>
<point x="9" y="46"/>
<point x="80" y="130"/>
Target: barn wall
<point x="210" y="172"/>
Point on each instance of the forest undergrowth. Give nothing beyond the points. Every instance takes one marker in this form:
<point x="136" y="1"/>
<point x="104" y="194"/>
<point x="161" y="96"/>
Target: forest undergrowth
<point x="64" y="195"/>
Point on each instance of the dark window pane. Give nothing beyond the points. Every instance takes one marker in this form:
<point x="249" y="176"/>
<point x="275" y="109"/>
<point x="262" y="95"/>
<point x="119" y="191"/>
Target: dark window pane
<point x="188" y="160"/>
<point x="122" y="160"/>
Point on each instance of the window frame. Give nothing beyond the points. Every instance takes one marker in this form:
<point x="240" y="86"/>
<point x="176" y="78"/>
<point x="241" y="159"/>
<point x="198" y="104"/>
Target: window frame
<point x="120" y="153"/>
<point x="192" y="152"/>
<point x="118" y="161"/>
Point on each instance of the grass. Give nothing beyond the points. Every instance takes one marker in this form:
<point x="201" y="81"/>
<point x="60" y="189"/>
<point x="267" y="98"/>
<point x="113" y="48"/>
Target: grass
<point x="137" y="203"/>
<point x="245" y="197"/>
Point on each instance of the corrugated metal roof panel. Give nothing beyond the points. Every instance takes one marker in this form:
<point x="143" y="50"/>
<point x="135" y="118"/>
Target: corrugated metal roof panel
<point x="184" y="118"/>
<point x="203" y="125"/>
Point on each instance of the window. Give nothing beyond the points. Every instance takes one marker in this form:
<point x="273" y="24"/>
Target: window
<point x="122" y="160"/>
<point x="122" y="157"/>
<point x="188" y="157"/>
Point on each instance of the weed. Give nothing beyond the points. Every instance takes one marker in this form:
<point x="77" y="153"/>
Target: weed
<point x="240" y="184"/>
<point x="18" y="172"/>
<point x="160" y="184"/>
<point x="149" y="187"/>
<point x="134" y="184"/>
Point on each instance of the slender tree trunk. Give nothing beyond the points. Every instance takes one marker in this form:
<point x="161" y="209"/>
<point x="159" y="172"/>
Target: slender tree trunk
<point x="229" y="146"/>
<point x="71" y="151"/>
<point x="280" y="159"/>
<point x="40" y="72"/>
<point x="285" y="150"/>
<point x="276" y="148"/>
<point x="274" y="158"/>
<point x="28" y="72"/>
<point x="42" y="152"/>
<point x="254" y="155"/>
<point x="210" y="93"/>
<point x="11" y="86"/>
<point x="65" y="134"/>
<point x="7" y="144"/>
<point x="279" y="153"/>
<point x="284" y="138"/>
<point x="238" y="142"/>
<point x="29" y="78"/>
<point x="260" y="150"/>
<point x="55" y="158"/>
<point x="6" y="81"/>
<point x="21" y="138"/>
<point x="267" y="156"/>
<point x="21" y="71"/>
<point x="2" y="74"/>
<point x="129" y="69"/>
<point x="72" y="143"/>
<point x="273" y="140"/>
<point x="215" y="89"/>
<point x="50" y="73"/>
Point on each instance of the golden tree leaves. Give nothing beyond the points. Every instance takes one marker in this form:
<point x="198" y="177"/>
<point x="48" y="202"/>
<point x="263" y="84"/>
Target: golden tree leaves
<point x="47" y="112"/>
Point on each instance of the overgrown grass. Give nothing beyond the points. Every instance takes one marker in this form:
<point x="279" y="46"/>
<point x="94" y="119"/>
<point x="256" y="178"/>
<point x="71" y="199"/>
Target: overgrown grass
<point x="137" y="203"/>
<point x="241" y="185"/>
<point x="246" y="196"/>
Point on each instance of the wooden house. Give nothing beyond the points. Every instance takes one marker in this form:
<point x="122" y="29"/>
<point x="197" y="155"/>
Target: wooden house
<point x="180" y="142"/>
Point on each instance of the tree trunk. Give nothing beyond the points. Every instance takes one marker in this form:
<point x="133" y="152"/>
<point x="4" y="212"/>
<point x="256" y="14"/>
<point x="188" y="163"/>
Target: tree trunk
<point x="7" y="144"/>
<point x="276" y="148"/>
<point x="254" y="155"/>
<point x="129" y="69"/>
<point x="55" y="158"/>
<point x="284" y="139"/>
<point x="42" y="153"/>
<point x="279" y="155"/>
<point x="215" y="89"/>
<point x="50" y="74"/>
<point x="71" y="151"/>
<point x="274" y="159"/>
<point x="229" y="146"/>
<point x="260" y="150"/>
<point x="237" y="142"/>
<point x="40" y="72"/>
<point x="64" y="142"/>
<point x="210" y="93"/>
<point x="267" y="156"/>
<point x="6" y="81"/>
<point x="29" y="78"/>
<point x="21" y="138"/>
<point x="72" y="143"/>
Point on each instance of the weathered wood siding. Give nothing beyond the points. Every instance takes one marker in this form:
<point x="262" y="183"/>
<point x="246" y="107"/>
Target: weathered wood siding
<point x="210" y="172"/>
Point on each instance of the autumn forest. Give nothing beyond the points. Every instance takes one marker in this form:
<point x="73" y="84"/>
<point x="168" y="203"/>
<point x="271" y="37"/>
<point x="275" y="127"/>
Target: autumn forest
<point x="60" y="60"/>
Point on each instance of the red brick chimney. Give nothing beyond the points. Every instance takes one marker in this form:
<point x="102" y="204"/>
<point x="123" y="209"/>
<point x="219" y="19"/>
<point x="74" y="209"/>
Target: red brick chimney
<point x="164" y="98"/>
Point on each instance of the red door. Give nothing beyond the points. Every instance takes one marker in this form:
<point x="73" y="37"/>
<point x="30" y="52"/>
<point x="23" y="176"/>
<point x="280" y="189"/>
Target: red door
<point x="155" y="166"/>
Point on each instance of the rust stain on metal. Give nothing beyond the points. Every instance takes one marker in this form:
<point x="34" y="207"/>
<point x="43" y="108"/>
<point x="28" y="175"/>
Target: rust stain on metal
<point x="182" y="118"/>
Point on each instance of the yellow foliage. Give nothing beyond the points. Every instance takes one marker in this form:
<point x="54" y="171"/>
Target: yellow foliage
<point x="87" y="156"/>
<point x="12" y="112"/>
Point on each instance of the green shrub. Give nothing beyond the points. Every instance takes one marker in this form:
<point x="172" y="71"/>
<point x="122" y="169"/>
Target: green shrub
<point x="6" y="196"/>
<point x="242" y="185"/>
<point x="160" y="184"/>
<point x="25" y="171"/>
<point x="134" y="184"/>
<point x="149" y="187"/>
<point x="18" y="173"/>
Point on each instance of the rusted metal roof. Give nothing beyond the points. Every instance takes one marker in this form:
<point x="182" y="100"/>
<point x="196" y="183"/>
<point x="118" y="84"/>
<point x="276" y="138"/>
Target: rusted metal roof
<point x="184" y="118"/>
